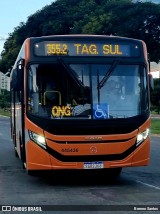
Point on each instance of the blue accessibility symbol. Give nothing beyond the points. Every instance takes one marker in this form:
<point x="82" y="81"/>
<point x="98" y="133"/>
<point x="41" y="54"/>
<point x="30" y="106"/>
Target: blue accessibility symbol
<point x="101" y="111"/>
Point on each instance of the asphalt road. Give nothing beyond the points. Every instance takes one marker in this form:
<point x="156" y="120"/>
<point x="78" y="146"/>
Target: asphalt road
<point x="139" y="186"/>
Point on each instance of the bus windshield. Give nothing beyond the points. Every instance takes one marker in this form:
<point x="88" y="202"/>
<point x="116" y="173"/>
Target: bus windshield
<point x="82" y="91"/>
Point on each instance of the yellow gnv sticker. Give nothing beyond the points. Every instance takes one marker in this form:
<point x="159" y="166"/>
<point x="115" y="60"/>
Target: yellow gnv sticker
<point x="58" y="111"/>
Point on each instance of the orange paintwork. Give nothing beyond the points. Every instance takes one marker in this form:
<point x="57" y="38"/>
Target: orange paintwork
<point x="31" y="126"/>
<point x="39" y="159"/>
<point x="27" y="51"/>
<point x="141" y="155"/>
<point x="84" y="149"/>
<point x="145" y="125"/>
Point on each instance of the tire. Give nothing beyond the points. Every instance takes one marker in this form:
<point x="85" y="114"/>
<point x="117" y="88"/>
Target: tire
<point x="15" y="152"/>
<point x="22" y="152"/>
<point x="31" y="172"/>
<point x="14" y="143"/>
<point x="112" y="173"/>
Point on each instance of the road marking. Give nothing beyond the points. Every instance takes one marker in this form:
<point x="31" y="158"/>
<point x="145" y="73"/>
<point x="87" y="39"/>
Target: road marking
<point x="149" y="185"/>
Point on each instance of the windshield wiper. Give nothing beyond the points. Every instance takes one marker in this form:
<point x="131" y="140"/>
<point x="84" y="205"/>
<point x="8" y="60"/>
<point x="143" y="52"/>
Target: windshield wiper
<point x="108" y="74"/>
<point x="70" y="71"/>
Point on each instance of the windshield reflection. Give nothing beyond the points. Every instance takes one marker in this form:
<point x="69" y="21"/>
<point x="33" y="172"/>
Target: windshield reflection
<point x="87" y="91"/>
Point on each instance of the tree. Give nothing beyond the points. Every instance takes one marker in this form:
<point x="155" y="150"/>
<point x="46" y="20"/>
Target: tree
<point x="109" y="17"/>
<point x="155" y="96"/>
<point x="4" y="99"/>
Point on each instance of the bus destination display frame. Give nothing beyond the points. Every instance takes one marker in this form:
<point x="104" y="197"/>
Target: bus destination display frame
<point x="81" y="48"/>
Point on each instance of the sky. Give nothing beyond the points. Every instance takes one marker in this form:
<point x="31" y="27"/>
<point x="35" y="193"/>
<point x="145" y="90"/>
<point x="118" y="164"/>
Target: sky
<point x="13" y="12"/>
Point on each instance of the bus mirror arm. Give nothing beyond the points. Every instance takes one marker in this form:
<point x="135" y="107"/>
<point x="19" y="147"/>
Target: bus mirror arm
<point x="150" y="77"/>
<point x="151" y="81"/>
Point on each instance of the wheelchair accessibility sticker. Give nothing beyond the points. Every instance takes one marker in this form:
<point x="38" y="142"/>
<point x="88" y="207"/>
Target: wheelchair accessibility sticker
<point x="101" y="111"/>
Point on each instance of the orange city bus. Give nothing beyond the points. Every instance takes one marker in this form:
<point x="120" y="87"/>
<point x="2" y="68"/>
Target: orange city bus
<point x="81" y="102"/>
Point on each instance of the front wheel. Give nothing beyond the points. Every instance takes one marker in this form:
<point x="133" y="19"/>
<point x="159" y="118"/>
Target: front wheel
<point x="113" y="173"/>
<point x="31" y="172"/>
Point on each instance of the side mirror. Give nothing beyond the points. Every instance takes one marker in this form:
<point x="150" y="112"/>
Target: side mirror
<point x="17" y="76"/>
<point x="151" y="81"/>
<point x="20" y="64"/>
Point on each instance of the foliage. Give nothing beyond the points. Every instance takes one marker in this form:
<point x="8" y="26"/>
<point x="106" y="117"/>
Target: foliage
<point x="4" y="99"/>
<point x="155" y="126"/>
<point x="155" y="96"/>
<point x="5" y="112"/>
<point x="112" y="17"/>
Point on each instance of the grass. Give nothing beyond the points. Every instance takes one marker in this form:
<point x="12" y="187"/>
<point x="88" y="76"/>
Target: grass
<point x="155" y="123"/>
<point x="155" y="126"/>
<point x="4" y="112"/>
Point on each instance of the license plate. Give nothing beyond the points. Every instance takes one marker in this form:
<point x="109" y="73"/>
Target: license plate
<point x="93" y="165"/>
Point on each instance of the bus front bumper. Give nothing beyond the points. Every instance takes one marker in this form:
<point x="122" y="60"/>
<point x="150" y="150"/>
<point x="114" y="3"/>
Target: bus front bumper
<point x="38" y="158"/>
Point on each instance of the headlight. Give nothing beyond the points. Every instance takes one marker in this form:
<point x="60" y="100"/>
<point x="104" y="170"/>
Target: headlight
<point x="39" y="139"/>
<point x="142" y="136"/>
